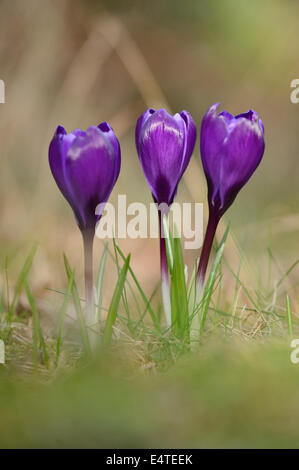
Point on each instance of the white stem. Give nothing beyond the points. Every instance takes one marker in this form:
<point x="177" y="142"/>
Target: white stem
<point x="166" y="300"/>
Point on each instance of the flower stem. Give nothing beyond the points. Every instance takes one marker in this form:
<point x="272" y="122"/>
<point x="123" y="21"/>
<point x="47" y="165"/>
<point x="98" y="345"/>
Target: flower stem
<point x="88" y="236"/>
<point x="206" y="251"/>
<point x="164" y="270"/>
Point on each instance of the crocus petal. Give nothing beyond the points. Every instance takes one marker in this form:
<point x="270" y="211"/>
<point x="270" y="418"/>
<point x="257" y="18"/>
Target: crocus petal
<point x="164" y="145"/>
<point x="140" y="122"/>
<point x="188" y="128"/>
<point x="242" y="153"/>
<point x="161" y="147"/>
<point x="85" y="166"/>
<point x="90" y="166"/>
<point x="231" y="149"/>
<point x="58" y="149"/>
<point x="213" y="133"/>
<point x="190" y="138"/>
<point x="250" y="115"/>
<point x="228" y="116"/>
<point x="110" y="135"/>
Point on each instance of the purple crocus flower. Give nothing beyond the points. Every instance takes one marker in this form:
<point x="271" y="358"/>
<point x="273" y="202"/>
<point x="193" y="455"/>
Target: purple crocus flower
<point x="164" y="145"/>
<point x="85" y="166"/>
<point x="231" y="150"/>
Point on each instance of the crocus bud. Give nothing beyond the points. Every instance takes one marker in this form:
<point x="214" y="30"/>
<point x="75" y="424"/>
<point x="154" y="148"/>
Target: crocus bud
<point x="231" y="149"/>
<point x="164" y="144"/>
<point x="85" y="166"/>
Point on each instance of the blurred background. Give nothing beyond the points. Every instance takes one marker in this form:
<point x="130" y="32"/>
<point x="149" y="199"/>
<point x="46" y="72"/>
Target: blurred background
<point x="78" y="63"/>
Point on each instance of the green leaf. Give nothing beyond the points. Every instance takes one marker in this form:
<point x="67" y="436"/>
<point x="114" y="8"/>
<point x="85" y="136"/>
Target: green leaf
<point x="2" y="302"/>
<point x="254" y="303"/>
<point x="179" y="297"/>
<point x="38" y="338"/>
<point x="144" y="297"/>
<point x="77" y="305"/>
<point x="22" y="278"/>
<point x="192" y="290"/>
<point x="290" y="317"/>
<point x="207" y="294"/>
<point x="179" y="305"/>
<point x="124" y="292"/>
<point x="62" y="313"/>
<point x="112" y="312"/>
<point x="169" y="244"/>
<point x="99" y="283"/>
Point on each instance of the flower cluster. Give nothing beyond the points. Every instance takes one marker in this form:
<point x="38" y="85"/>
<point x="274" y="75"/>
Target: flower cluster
<point x="86" y="165"/>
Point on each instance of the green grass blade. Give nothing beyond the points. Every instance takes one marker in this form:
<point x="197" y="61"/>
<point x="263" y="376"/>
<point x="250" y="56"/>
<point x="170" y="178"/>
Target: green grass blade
<point x="124" y="292"/>
<point x="179" y="288"/>
<point x="2" y="302"/>
<point x="286" y="274"/>
<point x="289" y="317"/>
<point x="38" y="338"/>
<point x="207" y="294"/>
<point x="144" y="297"/>
<point x="114" y="257"/>
<point x="169" y="244"/>
<point x="77" y="305"/>
<point x="112" y="313"/>
<point x="254" y="303"/>
<point x="141" y="318"/>
<point x="61" y="315"/>
<point x="192" y="290"/>
<point x="22" y="278"/>
<point x="7" y="288"/>
<point x="99" y="283"/>
<point x="179" y="296"/>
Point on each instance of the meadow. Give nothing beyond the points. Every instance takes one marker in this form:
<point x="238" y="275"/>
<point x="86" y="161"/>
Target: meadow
<point x="129" y="381"/>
